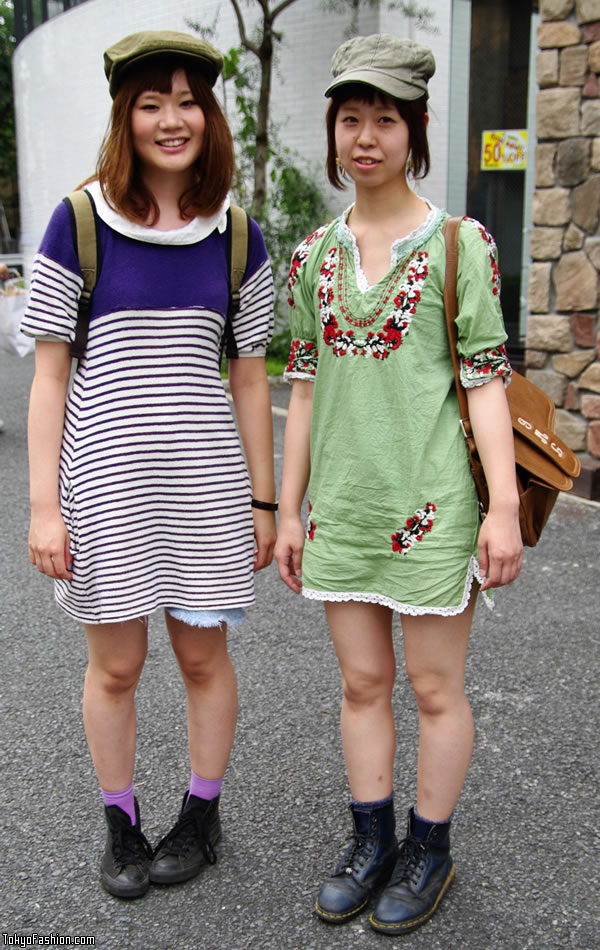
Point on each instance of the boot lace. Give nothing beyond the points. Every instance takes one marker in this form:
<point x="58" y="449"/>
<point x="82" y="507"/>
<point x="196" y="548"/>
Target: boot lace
<point x="410" y="864"/>
<point x="355" y="856"/>
<point x="129" y="846"/>
<point x="183" y="837"/>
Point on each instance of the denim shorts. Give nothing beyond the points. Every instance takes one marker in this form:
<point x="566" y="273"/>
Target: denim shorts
<point x="209" y="618"/>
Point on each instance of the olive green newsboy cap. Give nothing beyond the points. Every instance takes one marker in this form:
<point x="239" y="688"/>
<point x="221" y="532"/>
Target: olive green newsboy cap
<point x="399" y="67"/>
<point x="140" y="46"/>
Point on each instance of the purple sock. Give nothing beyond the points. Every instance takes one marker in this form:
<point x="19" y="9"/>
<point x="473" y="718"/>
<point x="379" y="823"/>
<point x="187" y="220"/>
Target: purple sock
<point x="124" y="800"/>
<point x="206" y="788"/>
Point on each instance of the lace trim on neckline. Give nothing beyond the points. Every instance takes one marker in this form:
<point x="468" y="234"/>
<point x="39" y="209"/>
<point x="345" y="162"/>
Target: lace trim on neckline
<point x="399" y="249"/>
<point x="410" y="609"/>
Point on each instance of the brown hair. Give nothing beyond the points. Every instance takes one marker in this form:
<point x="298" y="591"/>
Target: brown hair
<point x="118" y="169"/>
<point x="412" y="111"/>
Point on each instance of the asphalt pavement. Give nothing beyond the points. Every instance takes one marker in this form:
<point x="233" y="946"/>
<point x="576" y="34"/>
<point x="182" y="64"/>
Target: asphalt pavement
<point x="525" y="837"/>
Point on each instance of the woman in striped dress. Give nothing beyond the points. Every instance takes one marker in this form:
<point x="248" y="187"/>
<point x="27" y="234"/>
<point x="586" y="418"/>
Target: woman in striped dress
<point x="141" y="497"/>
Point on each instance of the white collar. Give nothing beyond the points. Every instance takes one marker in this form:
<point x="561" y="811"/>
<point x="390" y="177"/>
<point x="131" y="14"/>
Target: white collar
<point x="195" y="230"/>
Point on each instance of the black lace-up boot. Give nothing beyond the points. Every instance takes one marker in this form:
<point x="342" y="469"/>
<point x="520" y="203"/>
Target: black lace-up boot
<point x="423" y="873"/>
<point x="127" y="856"/>
<point x="189" y="845"/>
<point x="365" y="866"/>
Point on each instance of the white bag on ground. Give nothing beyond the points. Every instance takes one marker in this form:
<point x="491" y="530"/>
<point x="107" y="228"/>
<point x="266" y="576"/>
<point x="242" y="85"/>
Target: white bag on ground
<point x="12" y="308"/>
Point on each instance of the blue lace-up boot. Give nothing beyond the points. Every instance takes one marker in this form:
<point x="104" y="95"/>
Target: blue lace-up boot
<point x="366" y="865"/>
<point x="423" y="873"/>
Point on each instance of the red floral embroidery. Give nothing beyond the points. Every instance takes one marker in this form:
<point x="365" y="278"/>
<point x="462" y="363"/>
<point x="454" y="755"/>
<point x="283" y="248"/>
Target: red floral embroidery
<point x="300" y="255"/>
<point x="485" y="364"/>
<point x="493" y="253"/>
<point x="304" y="357"/>
<point x="416" y="528"/>
<point x="380" y="344"/>
<point x="311" y="526"/>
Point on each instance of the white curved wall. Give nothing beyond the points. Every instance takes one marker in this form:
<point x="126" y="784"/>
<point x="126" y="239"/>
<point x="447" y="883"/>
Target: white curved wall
<point x="62" y="102"/>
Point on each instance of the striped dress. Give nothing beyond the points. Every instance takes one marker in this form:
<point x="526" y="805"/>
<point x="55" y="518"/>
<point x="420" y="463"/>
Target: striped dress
<point x="154" y="487"/>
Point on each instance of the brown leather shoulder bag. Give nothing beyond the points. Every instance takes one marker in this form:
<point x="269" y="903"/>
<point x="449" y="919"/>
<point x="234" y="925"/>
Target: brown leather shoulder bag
<point x="545" y="465"/>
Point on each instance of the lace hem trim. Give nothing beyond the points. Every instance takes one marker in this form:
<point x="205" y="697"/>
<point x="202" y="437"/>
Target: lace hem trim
<point x="288" y="375"/>
<point x="410" y="609"/>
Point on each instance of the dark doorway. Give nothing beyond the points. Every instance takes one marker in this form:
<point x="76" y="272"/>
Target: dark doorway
<point x="499" y="75"/>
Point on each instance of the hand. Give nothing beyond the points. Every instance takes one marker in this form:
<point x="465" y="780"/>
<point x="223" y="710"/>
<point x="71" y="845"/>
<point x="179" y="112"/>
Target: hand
<point x="500" y="549"/>
<point x="288" y="553"/>
<point x="49" y="546"/>
<point x="265" y="533"/>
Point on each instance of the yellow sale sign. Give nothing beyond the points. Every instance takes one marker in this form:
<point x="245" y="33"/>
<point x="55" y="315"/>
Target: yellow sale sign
<point x="504" y="150"/>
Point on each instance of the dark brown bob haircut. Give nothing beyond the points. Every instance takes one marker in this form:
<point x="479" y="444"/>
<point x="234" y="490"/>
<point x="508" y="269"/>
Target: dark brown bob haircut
<point x="118" y="168"/>
<point x="413" y="112"/>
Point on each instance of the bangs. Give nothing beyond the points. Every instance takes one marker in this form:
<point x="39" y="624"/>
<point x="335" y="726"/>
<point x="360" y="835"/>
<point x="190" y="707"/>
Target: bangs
<point x="155" y="75"/>
<point x="363" y="92"/>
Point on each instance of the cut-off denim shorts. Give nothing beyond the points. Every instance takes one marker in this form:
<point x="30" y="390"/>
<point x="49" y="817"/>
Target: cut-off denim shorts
<point x="209" y="618"/>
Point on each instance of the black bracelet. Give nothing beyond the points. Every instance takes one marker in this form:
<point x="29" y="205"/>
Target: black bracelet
<point x="265" y="505"/>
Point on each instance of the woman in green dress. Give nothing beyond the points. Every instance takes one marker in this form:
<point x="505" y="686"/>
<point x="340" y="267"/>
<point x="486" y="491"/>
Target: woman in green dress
<point x="374" y="433"/>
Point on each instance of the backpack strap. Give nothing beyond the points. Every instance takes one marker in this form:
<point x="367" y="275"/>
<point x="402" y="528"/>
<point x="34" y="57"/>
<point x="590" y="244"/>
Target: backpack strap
<point x="84" y="227"/>
<point x="238" y="230"/>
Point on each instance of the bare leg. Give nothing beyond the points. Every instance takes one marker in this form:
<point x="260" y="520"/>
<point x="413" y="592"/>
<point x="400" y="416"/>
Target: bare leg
<point x="116" y="655"/>
<point x="362" y="637"/>
<point x="435" y="651"/>
<point x="211" y="688"/>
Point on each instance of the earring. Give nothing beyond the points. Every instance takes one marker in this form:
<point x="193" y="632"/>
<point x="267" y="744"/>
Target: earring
<point x="410" y="166"/>
<point x="341" y="167"/>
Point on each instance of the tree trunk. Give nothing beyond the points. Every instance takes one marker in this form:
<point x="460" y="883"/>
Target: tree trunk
<point x="262" y="121"/>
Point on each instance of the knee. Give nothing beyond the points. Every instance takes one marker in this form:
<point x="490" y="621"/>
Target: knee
<point x="201" y="670"/>
<point x="117" y="677"/>
<point x="435" y="694"/>
<point x="367" y="688"/>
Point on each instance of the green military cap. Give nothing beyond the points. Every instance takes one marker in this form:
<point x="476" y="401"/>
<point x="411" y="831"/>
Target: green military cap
<point x="398" y="67"/>
<point x="141" y="46"/>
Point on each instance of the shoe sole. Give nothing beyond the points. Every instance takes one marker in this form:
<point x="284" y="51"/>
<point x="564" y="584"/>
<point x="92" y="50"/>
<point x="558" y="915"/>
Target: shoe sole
<point x="178" y="877"/>
<point x="129" y="894"/>
<point x="339" y="918"/>
<point x="185" y="874"/>
<point x="395" y="930"/>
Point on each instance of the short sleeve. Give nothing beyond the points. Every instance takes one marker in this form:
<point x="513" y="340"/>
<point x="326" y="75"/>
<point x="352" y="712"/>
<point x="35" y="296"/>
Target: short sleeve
<point x="481" y="333"/>
<point x="253" y="323"/>
<point x="304" y="352"/>
<point x="56" y="284"/>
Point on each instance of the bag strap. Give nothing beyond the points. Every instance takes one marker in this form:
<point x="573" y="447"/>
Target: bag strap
<point x="84" y="227"/>
<point x="543" y="438"/>
<point x="450" y="230"/>
<point x="238" y="228"/>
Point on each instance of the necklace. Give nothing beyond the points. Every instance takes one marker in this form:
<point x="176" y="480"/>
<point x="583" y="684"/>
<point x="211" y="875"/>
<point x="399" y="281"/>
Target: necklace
<point x="387" y="291"/>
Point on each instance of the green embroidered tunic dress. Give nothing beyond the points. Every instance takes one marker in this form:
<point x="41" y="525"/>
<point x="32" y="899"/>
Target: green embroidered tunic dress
<point x="393" y="511"/>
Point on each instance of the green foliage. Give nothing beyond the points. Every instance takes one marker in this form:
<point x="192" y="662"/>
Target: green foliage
<point x="294" y="206"/>
<point x="8" y="149"/>
<point x="422" y="15"/>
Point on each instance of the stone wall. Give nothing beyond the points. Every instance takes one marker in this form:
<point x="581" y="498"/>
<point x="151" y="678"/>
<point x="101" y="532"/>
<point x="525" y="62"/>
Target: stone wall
<point x="563" y="334"/>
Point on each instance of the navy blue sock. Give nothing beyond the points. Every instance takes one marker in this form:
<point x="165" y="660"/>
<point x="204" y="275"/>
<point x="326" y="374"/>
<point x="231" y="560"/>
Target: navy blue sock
<point x="422" y="826"/>
<point x="371" y="806"/>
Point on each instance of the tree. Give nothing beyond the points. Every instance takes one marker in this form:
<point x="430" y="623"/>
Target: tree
<point x="418" y="15"/>
<point x="8" y="149"/>
<point x="263" y="48"/>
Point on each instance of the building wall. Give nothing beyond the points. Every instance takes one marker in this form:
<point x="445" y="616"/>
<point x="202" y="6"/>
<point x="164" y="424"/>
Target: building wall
<point x="563" y="335"/>
<point x="62" y="103"/>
